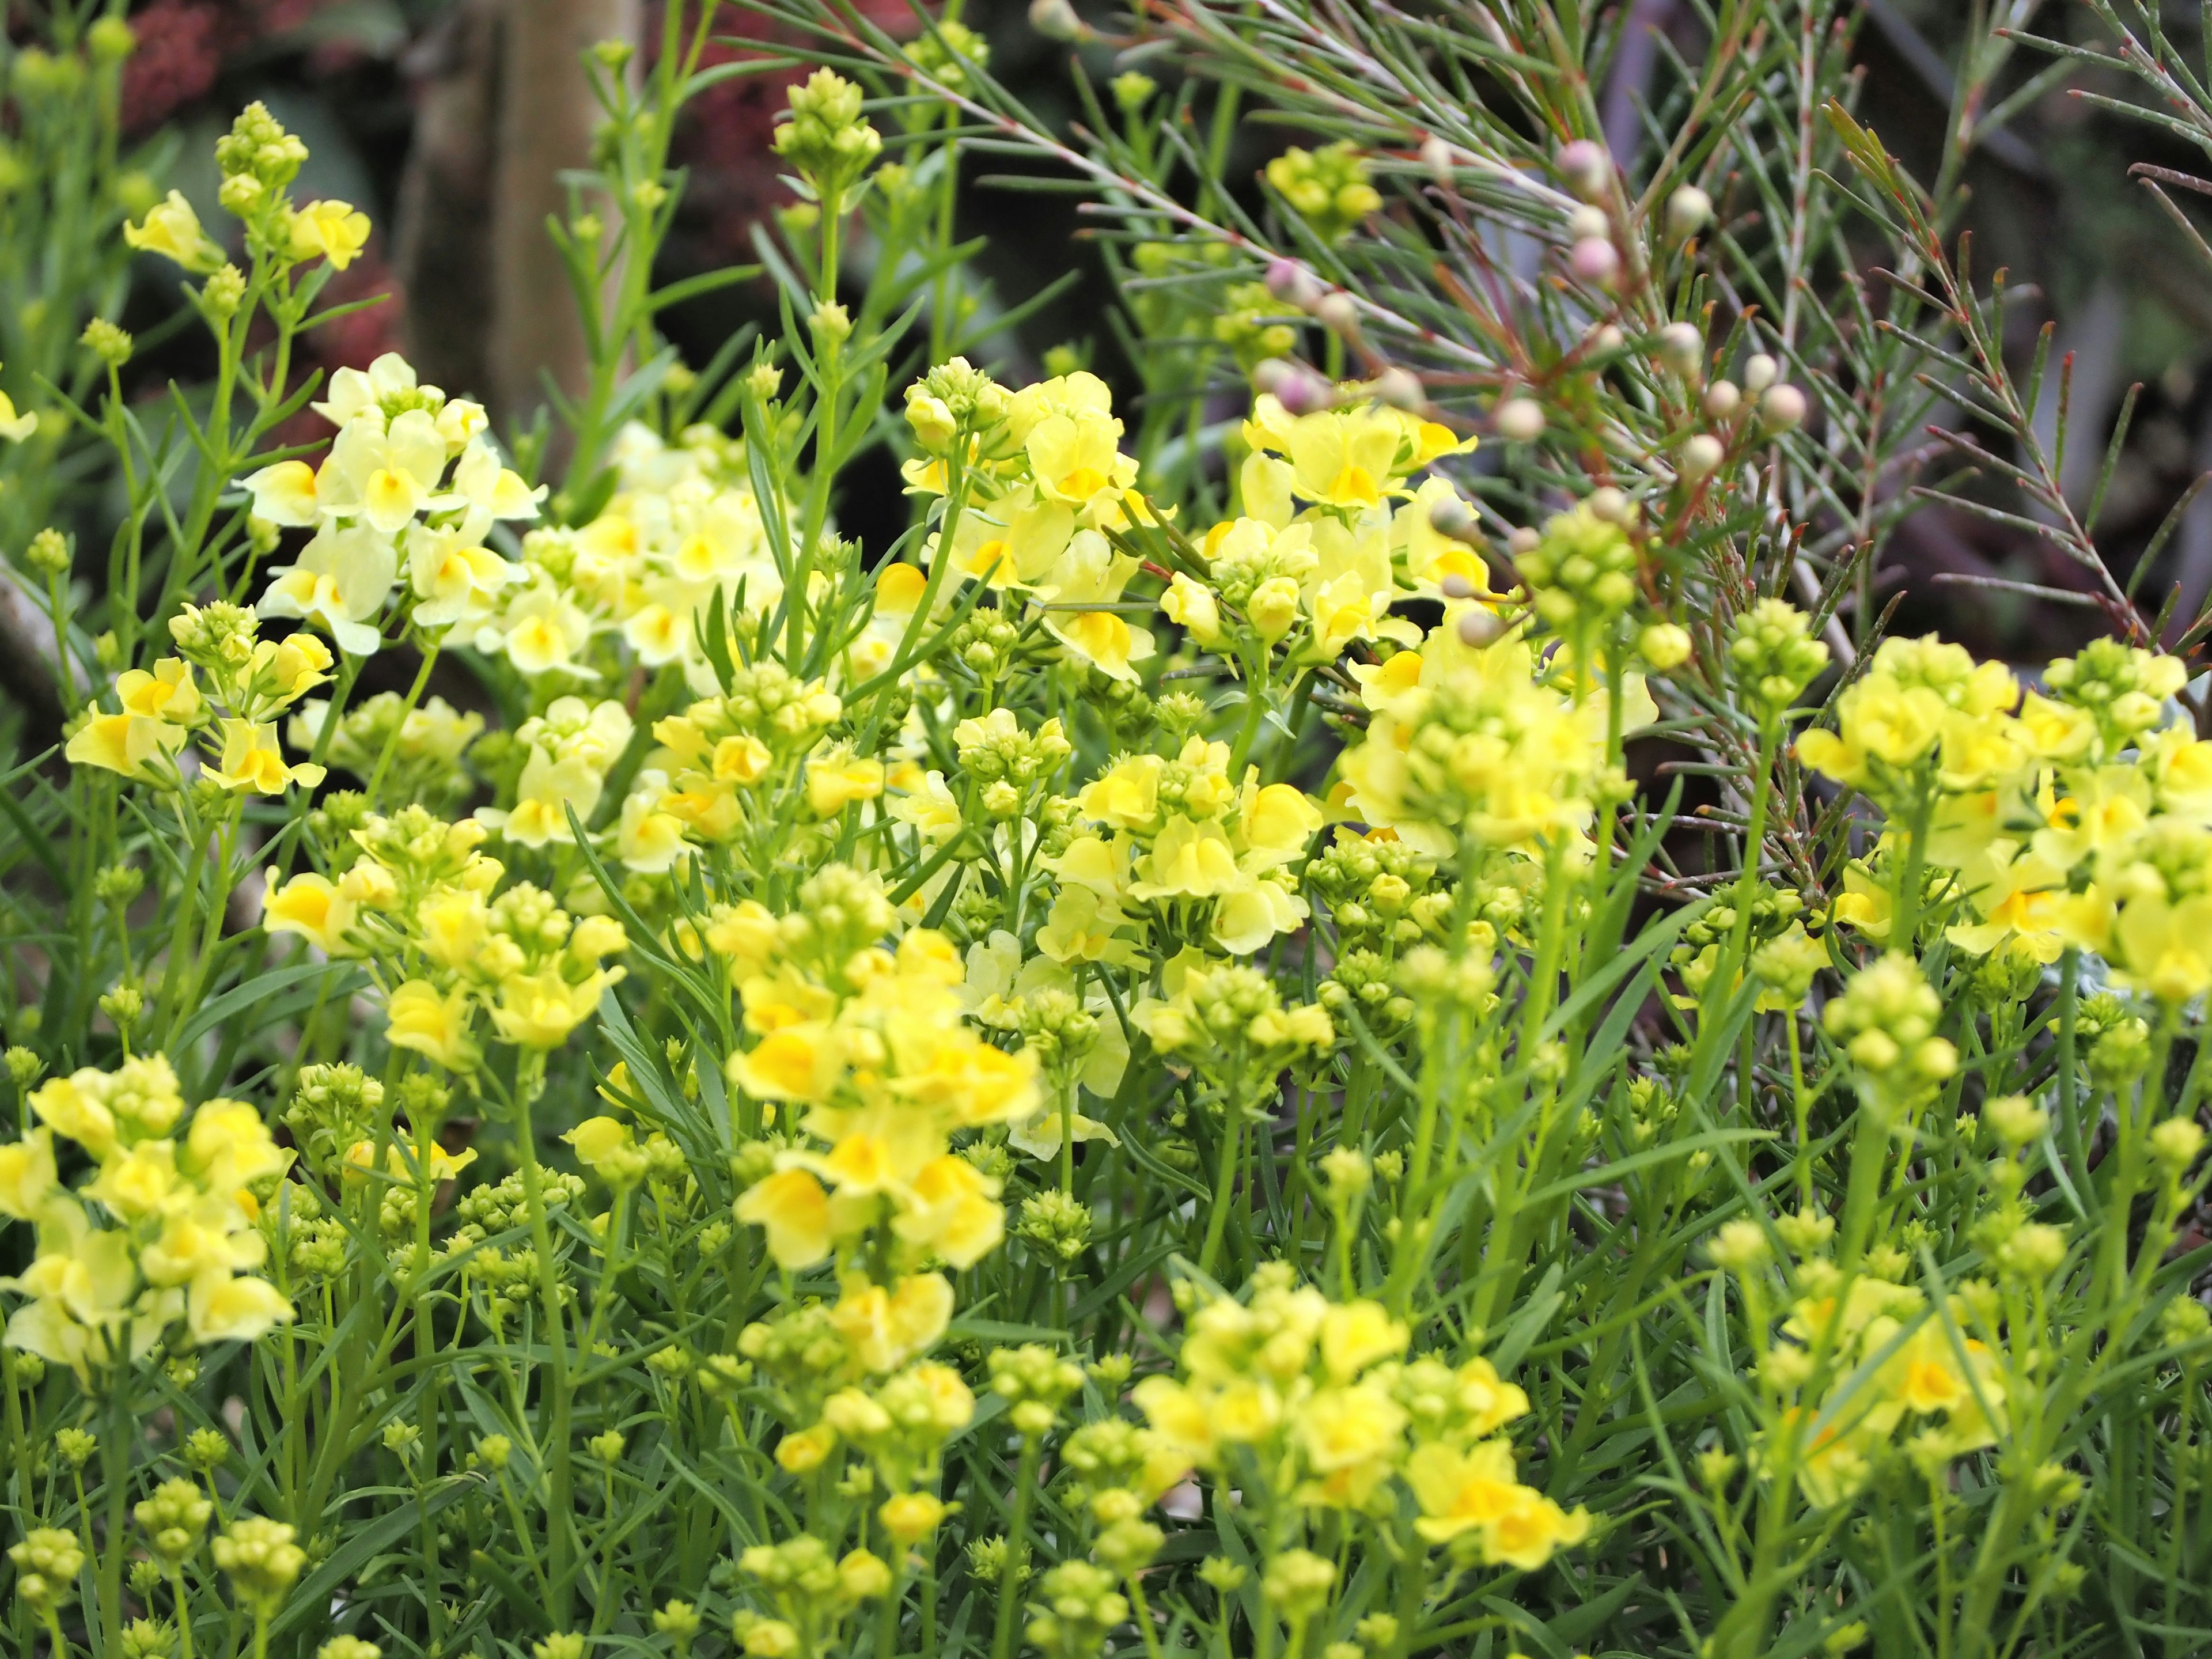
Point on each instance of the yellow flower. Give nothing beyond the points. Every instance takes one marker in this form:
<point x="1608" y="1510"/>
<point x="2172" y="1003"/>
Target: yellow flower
<point x="1532" y="1527"/>
<point x="310" y="906"/>
<point x="596" y="1139"/>
<point x="252" y="760"/>
<point x="1082" y="928"/>
<point x="230" y="1147"/>
<point x="911" y="1516"/>
<point x="341" y="579"/>
<point x="1103" y="639"/>
<point x="138" y="1184"/>
<point x="224" y="1308"/>
<point x="1488" y="1401"/>
<point x="332" y="230"/>
<point x="167" y="694"/>
<point x="1188" y="860"/>
<point x="539" y="1010"/>
<point x="800" y="1061"/>
<point x="1458" y="1490"/>
<point x="793" y="1209"/>
<point x="1075" y="461"/>
<point x="284" y="494"/>
<point x="384" y="474"/>
<point x="70" y="1106"/>
<point x="837" y="778"/>
<point x="429" y="1164"/>
<point x="952" y="1208"/>
<point x="13" y="427"/>
<point x="2167" y="948"/>
<point x="1253" y="912"/>
<point x="1356" y="1335"/>
<point x="1350" y="1438"/>
<point x="127" y="744"/>
<point x="172" y="229"/>
<point x="28" y="1174"/>
<point x="886" y="1329"/>
<point x="1127" y="796"/>
<point x="434" y="1026"/>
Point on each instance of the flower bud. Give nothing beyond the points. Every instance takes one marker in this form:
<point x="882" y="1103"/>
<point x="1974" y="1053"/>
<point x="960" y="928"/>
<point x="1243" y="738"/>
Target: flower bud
<point x="1519" y="419"/>
<point x="1701" y="455"/>
<point x="1759" y="374"/>
<point x="1479" y="627"/>
<point x="1782" y="408"/>
<point x="1682" y="348"/>
<point x="1337" y="313"/>
<point x="1437" y="157"/>
<point x="1595" y="259"/>
<point x="1586" y="167"/>
<point x="1055" y="20"/>
<point x="1587" y="221"/>
<point x="1453" y="517"/>
<point x="1290" y="283"/>
<point x="1274" y="608"/>
<point x="1664" y="645"/>
<point x="1301" y="391"/>
<point x="1721" y="398"/>
<point x="1401" y="389"/>
<point x="1688" y="211"/>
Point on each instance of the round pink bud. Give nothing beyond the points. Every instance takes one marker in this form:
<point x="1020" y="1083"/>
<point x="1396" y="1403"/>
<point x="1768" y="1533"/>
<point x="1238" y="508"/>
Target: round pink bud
<point x="1290" y="283"/>
<point x="1301" y="391"/>
<point x="1587" y="167"/>
<point x="1595" y="260"/>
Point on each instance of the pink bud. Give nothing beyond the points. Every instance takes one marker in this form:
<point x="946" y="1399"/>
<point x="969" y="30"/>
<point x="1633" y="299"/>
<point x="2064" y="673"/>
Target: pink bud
<point x="1595" y="260"/>
<point x="1587" y="167"/>
<point x="1301" y="391"/>
<point x="1287" y="280"/>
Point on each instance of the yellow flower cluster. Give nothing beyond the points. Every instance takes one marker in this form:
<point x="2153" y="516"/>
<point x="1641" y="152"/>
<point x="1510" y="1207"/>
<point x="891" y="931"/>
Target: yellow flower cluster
<point x="1487" y="741"/>
<point x="1312" y="1403"/>
<point x="1893" y="1363"/>
<point x="381" y="498"/>
<point x="725" y="757"/>
<point x="682" y="530"/>
<point x="1173" y="849"/>
<point x="1046" y="479"/>
<point x="1320" y="552"/>
<point x="863" y="1050"/>
<point x="417" y="900"/>
<point x="162" y="1231"/>
<point x="2075" y="816"/>
<point x="250" y="681"/>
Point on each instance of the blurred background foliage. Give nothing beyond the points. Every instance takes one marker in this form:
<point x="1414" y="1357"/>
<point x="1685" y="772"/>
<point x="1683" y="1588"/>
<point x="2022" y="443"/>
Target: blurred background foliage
<point x="410" y="109"/>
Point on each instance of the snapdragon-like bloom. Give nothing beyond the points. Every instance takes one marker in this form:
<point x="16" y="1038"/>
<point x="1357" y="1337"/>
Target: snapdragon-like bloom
<point x="341" y="579"/>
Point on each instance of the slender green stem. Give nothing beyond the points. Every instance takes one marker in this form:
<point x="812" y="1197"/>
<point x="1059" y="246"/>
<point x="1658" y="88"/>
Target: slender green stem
<point x="1017" y="1549"/>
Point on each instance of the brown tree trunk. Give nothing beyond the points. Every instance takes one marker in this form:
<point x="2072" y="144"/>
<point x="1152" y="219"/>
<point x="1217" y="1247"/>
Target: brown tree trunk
<point x="546" y="118"/>
<point x="504" y="108"/>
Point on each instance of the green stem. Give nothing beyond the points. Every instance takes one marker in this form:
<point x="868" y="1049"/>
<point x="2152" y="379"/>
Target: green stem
<point x="1017" y="1549"/>
<point x="561" y="1515"/>
<point x="1224" y="1188"/>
